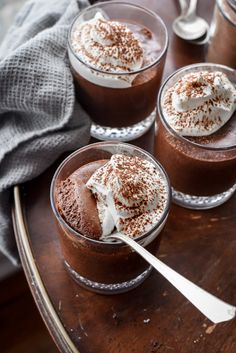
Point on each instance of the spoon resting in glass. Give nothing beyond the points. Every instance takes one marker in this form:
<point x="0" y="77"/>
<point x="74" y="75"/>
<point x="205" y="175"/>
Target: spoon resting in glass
<point x="212" y="307"/>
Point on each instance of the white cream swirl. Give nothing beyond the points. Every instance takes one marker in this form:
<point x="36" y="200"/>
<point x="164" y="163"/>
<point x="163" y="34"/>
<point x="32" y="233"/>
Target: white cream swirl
<point x="108" y="46"/>
<point x="131" y="195"/>
<point x="200" y="103"/>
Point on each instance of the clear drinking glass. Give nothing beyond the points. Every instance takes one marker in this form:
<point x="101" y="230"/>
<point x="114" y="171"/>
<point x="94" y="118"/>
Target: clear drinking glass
<point x="118" y="112"/>
<point x="222" y="43"/>
<point x="105" y="267"/>
<point x="202" y="175"/>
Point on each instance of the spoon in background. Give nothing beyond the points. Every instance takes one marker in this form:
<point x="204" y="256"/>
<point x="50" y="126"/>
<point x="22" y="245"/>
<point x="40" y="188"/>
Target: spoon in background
<point x="183" y="9"/>
<point x="189" y="26"/>
<point x="213" y="308"/>
<point x="202" y="40"/>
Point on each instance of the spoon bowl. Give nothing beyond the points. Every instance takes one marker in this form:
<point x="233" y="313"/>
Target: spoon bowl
<point x="190" y="29"/>
<point x="188" y="25"/>
<point x="202" y="40"/>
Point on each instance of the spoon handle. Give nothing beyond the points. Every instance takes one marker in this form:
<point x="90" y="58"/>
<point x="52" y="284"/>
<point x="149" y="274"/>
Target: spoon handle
<point x="192" y="8"/>
<point x="183" y="7"/>
<point x="213" y="308"/>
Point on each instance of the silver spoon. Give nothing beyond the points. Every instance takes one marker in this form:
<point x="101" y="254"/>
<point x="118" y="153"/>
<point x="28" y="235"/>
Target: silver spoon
<point x="202" y="40"/>
<point x="183" y="9"/>
<point x="190" y="26"/>
<point x="213" y="308"/>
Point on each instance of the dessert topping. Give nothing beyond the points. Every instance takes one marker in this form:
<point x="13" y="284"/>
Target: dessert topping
<point x="200" y="103"/>
<point x="107" y="45"/>
<point x="131" y="195"/>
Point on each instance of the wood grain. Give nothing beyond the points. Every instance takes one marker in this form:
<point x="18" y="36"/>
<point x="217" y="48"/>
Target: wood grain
<point x="21" y="326"/>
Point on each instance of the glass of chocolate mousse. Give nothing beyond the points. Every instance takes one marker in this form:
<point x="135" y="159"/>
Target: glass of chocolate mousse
<point x="104" y="188"/>
<point x="117" y="53"/>
<point x="222" y="43"/>
<point x="196" y="134"/>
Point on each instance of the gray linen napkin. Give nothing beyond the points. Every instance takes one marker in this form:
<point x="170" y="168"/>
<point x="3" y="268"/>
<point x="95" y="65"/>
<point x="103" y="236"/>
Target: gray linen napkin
<point x="39" y="117"/>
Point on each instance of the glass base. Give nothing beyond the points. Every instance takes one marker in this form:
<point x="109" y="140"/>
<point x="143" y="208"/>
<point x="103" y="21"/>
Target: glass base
<point x="201" y="202"/>
<point x="123" y="134"/>
<point x="104" y="288"/>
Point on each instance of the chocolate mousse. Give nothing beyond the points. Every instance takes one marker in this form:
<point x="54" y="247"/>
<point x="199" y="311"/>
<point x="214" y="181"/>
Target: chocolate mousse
<point x="76" y="203"/>
<point x="222" y="44"/>
<point x="116" y="192"/>
<point x="196" y="137"/>
<point x="124" y="193"/>
<point x="117" y="66"/>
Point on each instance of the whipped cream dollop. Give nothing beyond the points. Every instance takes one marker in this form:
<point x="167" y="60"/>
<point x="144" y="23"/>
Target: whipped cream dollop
<point x="108" y="46"/>
<point x="131" y="195"/>
<point x="199" y="103"/>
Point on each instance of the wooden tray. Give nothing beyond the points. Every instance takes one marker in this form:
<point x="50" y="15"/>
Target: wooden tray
<point x="154" y="317"/>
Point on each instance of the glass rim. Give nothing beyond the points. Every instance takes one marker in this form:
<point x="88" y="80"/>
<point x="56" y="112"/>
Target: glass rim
<point x="122" y="73"/>
<point x="61" y="220"/>
<point x="227" y="17"/>
<point x="162" y="115"/>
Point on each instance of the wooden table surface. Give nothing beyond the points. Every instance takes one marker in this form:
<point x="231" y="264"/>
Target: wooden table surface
<point x="154" y="317"/>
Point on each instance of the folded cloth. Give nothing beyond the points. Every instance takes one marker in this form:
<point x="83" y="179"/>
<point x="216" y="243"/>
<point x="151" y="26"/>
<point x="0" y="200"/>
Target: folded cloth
<point x="39" y="116"/>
